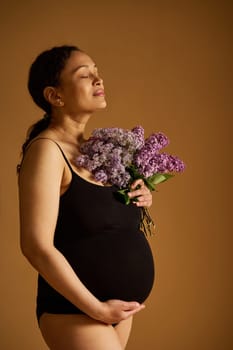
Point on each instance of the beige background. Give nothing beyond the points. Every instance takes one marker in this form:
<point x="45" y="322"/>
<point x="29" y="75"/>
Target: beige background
<point x="167" y="65"/>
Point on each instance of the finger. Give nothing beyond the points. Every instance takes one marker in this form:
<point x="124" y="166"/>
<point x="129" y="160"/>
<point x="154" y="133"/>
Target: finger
<point x="143" y="204"/>
<point x="137" y="182"/>
<point x="137" y="193"/>
<point x="130" y="305"/>
<point x="133" y="312"/>
<point x="142" y="198"/>
<point x="143" y="190"/>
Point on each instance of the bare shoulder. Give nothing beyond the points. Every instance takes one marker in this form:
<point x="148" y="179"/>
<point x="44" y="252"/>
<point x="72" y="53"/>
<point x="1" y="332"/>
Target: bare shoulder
<point x="42" y="156"/>
<point x="40" y="182"/>
<point x="42" y="148"/>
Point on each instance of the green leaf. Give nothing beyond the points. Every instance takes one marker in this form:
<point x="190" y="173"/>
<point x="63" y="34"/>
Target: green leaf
<point x="158" y="178"/>
<point x="155" y="179"/>
<point x="149" y="184"/>
<point x="122" y="196"/>
<point x="134" y="173"/>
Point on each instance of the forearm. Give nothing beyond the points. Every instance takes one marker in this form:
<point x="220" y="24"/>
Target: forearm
<point x="56" y="270"/>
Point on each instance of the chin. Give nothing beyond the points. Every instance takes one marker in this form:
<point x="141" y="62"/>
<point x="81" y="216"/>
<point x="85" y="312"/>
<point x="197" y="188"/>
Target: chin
<point x="102" y="105"/>
<point x="97" y="107"/>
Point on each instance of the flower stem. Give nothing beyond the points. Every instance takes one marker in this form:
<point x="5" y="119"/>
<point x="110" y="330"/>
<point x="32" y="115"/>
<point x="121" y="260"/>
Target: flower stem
<point x="147" y="225"/>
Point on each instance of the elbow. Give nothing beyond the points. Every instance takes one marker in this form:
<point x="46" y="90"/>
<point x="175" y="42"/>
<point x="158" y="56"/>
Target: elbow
<point x="26" y="251"/>
<point x="29" y="253"/>
<point x="34" y="254"/>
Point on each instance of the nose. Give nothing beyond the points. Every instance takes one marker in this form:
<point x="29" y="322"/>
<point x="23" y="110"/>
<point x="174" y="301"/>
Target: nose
<point x="97" y="80"/>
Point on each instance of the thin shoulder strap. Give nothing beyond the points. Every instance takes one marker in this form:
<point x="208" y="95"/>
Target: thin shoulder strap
<point x="63" y="154"/>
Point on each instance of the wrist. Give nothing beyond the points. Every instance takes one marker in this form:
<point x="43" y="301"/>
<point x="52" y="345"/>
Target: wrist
<point x="97" y="310"/>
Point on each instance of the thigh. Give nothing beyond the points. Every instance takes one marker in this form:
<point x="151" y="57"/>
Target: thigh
<point x="77" y="332"/>
<point x="123" y="331"/>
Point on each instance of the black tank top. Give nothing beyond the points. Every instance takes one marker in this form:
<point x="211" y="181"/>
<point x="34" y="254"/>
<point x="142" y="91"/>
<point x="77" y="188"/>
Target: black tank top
<point x="101" y="239"/>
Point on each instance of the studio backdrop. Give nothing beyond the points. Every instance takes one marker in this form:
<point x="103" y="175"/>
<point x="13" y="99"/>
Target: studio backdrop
<point x="166" y="65"/>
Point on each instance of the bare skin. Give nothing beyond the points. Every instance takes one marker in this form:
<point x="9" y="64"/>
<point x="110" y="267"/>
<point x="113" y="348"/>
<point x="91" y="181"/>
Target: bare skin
<point x="75" y="332"/>
<point x="73" y="102"/>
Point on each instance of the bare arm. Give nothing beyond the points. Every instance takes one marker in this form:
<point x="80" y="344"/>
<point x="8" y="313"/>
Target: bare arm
<point x="39" y="192"/>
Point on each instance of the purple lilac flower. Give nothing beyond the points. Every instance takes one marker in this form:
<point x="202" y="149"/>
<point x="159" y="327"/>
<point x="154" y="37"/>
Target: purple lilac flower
<point x="110" y="151"/>
<point x="120" y="137"/>
<point x="101" y="176"/>
<point x="158" y="163"/>
<point x="120" y="178"/>
<point x="138" y="132"/>
<point x="143" y="156"/>
<point x="157" y="141"/>
<point x="82" y="160"/>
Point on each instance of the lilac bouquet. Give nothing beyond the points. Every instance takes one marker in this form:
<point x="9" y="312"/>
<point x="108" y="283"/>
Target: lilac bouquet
<point x="118" y="157"/>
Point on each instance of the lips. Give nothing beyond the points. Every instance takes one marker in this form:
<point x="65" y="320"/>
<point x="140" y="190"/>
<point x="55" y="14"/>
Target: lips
<point x="99" y="92"/>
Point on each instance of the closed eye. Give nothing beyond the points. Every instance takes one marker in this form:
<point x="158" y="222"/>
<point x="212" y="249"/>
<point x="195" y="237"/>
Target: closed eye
<point x="90" y="75"/>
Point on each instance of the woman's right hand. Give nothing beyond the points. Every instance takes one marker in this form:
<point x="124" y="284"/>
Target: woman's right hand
<point x="114" y="311"/>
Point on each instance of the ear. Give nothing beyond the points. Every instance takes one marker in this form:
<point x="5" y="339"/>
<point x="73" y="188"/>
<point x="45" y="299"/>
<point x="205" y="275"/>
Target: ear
<point x="52" y="96"/>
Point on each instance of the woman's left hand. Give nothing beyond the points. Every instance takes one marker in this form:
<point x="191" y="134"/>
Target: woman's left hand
<point x="143" y="194"/>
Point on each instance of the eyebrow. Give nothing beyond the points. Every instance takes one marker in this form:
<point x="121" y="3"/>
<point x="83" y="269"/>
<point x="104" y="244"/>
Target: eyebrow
<point x="82" y="66"/>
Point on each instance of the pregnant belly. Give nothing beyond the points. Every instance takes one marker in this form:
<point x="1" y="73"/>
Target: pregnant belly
<point x="115" y="265"/>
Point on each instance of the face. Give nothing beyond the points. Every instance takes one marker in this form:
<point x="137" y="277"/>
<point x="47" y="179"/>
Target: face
<point x="81" y="88"/>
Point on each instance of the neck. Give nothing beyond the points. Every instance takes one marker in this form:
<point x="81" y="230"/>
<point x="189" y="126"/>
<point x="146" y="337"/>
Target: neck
<point x="69" y="129"/>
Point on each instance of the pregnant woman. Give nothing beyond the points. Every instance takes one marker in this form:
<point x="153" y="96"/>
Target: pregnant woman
<point x="95" y="266"/>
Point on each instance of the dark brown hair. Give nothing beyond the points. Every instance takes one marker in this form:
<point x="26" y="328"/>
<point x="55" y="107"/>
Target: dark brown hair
<point x="45" y="71"/>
